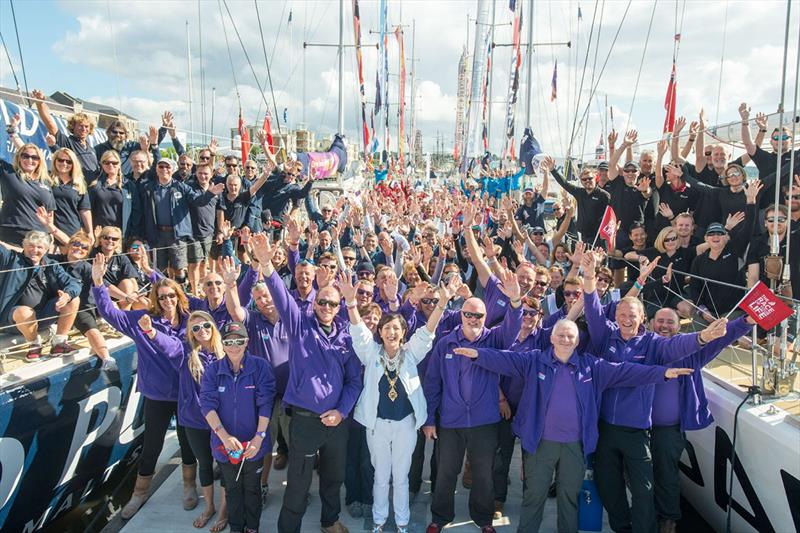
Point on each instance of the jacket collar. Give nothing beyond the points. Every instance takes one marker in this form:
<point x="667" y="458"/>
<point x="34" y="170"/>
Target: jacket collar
<point x="247" y="368"/>
<point x="549" y="358"/>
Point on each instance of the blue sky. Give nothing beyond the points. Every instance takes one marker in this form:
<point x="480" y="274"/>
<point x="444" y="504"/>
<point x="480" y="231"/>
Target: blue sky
<point x="68" y="46"/>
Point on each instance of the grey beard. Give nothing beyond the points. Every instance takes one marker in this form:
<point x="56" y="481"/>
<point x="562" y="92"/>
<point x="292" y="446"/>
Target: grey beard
<point x="117" y="145"/>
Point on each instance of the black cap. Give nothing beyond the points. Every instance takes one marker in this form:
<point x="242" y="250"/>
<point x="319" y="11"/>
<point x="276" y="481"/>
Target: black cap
<point x="365" y="266"/>
<point x="716" y="227"/>
<point x="234" y="329"/>
<point x="537" y="229"/>
<point x="631" y="164"/>
<point x="603" y="165"/>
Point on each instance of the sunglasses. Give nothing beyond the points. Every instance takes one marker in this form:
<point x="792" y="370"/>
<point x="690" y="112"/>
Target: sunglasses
<point x="197" y="327"/>
<point x="470" y="314"/>
<point x="135" y="246"/>
<point x="784" y="137"/>
<point x="111" y="163"/>
<point x="733" y="174"/>
<point x="587" y="179"/>
<point x="708" y="154"/>
<point x="671" y="239"/>
<point x="118" y="132"/>
<point x="604" y="280"/>
<point x="781" y="220"/>
<point x="429" y="301"/>
<point x="65" y="161"/>
<point x="530" y="312"/>
<point x="329" y="266"/>
<point x="348" y="258"/>
<point x="234" y="342"/>
<point x="364" y="274"/>
<point x="541" y="283"/>
<point x="32" y="157"/>
<point x="365" y="292"/>
<point x="571" y="294"/>
<point x="204" y="158"/>
<point x="162" y="297"/>
<point x="212" y="282"/>
<point x="76" y="244"/>
<point x="110" y="238"/>
<point x="328" y="303"/>
<point x="229" y="165"/>
<point x="626" y="170"/>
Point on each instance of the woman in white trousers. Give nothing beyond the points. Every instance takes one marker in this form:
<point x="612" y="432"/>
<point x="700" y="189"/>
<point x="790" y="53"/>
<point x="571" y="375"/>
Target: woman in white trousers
<point x="392" y="406"/>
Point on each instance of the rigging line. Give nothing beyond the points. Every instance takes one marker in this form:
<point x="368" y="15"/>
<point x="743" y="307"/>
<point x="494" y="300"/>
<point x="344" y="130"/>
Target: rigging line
<point x="791" y="161"/>
<point x="594" y="71"/>
<point x="269" y="73"/>
<point x="553" y="59"/>
<point x="230" y="56"/>
<point x="10" y="64"/>
<point x="202" y="70"/>
<point x="641" y="64"/>
<point x="277" y="34"/>
<point x="721" y="59"/>
<point x="583" y="77"/>
<point x="310" y="36"/>
<point x="114" y="52"/>
<point x="19" y="47"/>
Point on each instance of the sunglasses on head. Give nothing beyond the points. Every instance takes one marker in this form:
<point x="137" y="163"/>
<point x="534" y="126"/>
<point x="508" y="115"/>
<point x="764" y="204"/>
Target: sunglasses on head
<point x="234" y="342"/>
<point x="365" y="292"/>
<point x="197" y="327"/>
<point x="78" y="244"/>
<point x="162" y="297"/>
<point x="327" y="303"/>
<point x="780" y="219"/>
<point x="212" y="282"/>
<point x="570" y="294"/>
<point x="470" y="314"/>
<point x="530" y="312"/>
<point x="429" y="301"/>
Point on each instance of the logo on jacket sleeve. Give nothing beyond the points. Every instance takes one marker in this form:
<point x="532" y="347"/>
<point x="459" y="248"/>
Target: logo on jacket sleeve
<point x="541" y="376"/>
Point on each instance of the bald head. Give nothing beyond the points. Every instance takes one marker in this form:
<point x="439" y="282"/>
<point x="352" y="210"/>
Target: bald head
<point x="474" y="305"/>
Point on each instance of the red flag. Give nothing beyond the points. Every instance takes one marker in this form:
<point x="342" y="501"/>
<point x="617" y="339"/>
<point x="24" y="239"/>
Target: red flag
<point x="268" y="128"/>
<point x="234" y="456"/>
<point x="764" y="306"/>
<point x="608" y="228"/>
<point x="669" y="101"/>
<point x="245" y="136"/>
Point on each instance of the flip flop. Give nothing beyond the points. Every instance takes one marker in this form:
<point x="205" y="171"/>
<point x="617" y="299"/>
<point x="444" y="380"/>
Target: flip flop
<point x="201" y="521"/>
<point x="220" y="525"/>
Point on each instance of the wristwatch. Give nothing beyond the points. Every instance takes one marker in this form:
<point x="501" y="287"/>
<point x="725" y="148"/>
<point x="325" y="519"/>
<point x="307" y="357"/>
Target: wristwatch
<point x="262" y="434"/>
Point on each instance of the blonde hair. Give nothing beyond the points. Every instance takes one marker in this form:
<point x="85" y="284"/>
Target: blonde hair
<point x="108" y="154"/>
<point x="76" y="174"/>
<point x="80" y="117"/>
<point x="41" y="170"/>
<point x="107" y="231"/>
<point x="659" y="244"/>
<point x="194" y="363"/>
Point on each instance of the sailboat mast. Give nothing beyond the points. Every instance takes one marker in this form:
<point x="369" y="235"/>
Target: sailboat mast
<point x="529" y="65"/>
<point x="202" y="71"/>
<point x="412" y="145"/>
<point x="189" y="67"/>
<point x="490" y="74"/>
<point x="340" y="124"/>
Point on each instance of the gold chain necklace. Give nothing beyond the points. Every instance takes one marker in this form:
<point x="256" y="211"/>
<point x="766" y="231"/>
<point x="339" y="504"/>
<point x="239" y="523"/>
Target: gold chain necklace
<point x="392" y="394"/>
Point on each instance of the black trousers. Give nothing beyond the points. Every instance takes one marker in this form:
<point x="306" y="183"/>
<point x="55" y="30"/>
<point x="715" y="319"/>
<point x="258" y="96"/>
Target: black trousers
<point x="307" y="436"/>
<point x="480" y="443"/>
<point x="418" y="463"/>
<point x="200" y="442"/>
<point x="624" y="449"/>
<point x="667" y="444"/>
<point x="359" y="473"/>
<point x="244" y="495"/>
<point x="502" y="460"/>
<point x="157" y="414"/>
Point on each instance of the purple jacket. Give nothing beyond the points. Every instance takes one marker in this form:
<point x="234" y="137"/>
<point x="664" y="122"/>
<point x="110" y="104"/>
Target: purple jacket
<point x="239" y="400"/>
<point x="496" y="302"/>
<point x="631" y="406"/>
<point x="694" y="410"/>
<point x="416" y="319"/>
<point x="466" y="395"/>
<point x="157" y="378"/>
<point x="512" y="386"/>
<point x="538" y="368"/>
<point x="271" y="343"/>
<point x="324" y="372"/>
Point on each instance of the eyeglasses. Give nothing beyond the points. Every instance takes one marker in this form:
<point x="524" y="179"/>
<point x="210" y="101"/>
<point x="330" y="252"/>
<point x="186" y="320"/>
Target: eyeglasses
<point x="197" y="327"/>
<point x="212" y="282"/>
<point x="349" y="257"/>
<point x="671" y="239"/>
<point x="118" y="132"/>
<point x="329" y="266"/>
<point x="470" y="314"/>
<point x="32" y="157"/>
<point x="328" y="303"/>
<point x="780" y="219"/>
<point x="365" y="292"/>
<point x="572" y="294"/>
<point x="170" y="295"/>
<point x="65" y="161"/>
<point x="77" y="244"/>
<point x="109" y="238"/>
<point x="429" y="301"/>
<point x="111" y="163"/>
<point x="530" y="312"/>
<point x="234" y="342"/>
<point x="784" y="137"/>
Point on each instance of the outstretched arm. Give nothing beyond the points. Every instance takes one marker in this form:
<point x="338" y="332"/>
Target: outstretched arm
<point x="44" y="112"/>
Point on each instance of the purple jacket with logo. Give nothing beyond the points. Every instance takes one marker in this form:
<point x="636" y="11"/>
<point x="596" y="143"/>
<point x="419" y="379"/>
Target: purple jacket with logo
<point x="324" y="372"/>
<point x="270" y="342"/>
<point x="239" y="400"/>
<point x="537" y="369"/>
<point x="467" y="395"/>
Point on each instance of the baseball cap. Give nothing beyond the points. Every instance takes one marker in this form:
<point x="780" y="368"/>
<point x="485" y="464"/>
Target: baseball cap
<point x="631" y="164"/>
<point x="716" y="227"/>
<point x="603" y="165"/>
<point x="537" y="229"/>
<point x="365" y="266"/>
<point x="234" y="329"/>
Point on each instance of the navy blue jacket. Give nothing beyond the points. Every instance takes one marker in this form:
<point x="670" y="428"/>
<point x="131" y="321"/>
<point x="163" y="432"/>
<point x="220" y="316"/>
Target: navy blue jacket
<point x="181" y="195"/>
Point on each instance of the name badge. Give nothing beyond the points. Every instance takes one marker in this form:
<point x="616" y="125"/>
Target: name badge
<point x="501" y="303"/>
<point x="448" y="356"/>
<point x="178" y="195"/>
<point x="541" y="376"/>
<point x="250" y="387"/>
<point x="221" y="389"/>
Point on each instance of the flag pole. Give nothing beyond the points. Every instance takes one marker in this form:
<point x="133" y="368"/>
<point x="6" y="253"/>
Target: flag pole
<point x="735" y="307"/>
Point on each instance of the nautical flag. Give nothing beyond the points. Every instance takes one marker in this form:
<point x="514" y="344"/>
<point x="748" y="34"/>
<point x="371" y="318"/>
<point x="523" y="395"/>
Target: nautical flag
<point x="764" y="306"/>
<point x="554" y="83"/>
<point x="608" y="228"/>
<point x="285" y="114"/>
<point x="360" y="64"/>
<point x="245" y="138"/>
<point x="268" y="128"/>
<point x="529" y="148"/>
<point x="669" y="101"/>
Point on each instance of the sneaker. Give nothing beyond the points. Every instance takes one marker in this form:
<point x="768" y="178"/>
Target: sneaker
<point x="433" y="527"/>
<point x="488" y="529"/>
<point x="355" y="510"/>
<point x="498" y="510"/>
<point x="337" y="527"/>
<point x="34" y="352"/>
<point x="377" y="529"/>
<point x="264" y="494"/>
<point x="63" y="348"/>
<point x="402" y="529"/>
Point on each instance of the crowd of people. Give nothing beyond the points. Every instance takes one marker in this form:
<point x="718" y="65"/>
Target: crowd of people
<point x="345" y="336"/>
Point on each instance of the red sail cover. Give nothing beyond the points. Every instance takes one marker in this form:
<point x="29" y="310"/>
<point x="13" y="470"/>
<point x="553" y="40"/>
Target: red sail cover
<point x="764" y="306"/>
<point x="268" y="129"/>
<point x="245" y="136"/>
<point x="670" y="100"/>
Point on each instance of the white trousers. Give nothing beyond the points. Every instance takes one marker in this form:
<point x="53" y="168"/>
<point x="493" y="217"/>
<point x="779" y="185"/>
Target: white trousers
<point x="391" y="445"/>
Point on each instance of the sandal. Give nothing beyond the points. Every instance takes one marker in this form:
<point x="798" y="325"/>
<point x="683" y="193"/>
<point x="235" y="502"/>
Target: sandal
<point x="219" y="525"/>
<point x="202" y="520"/>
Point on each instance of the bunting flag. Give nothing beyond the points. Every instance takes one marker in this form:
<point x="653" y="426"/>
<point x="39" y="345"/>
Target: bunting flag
<point x="360" y="66"/>
<point x="669" y="101"/>
<point x="485" y="107"/>
<point x="554" y="83"/>
<point x="398" y="33"/>
<point x="529" y="148"/>
<point x="268" y="129"/>
<point x="764" y="306"/>
<point x="285" y="115"/>
<point x="245" y="139"/>
<point x="513" y="84"/>
<point x="384" y="21"/>
<point x="608" y="228"/>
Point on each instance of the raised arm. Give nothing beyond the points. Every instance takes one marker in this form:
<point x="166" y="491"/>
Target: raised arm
<point x="680" y="122"/>
<point x="475" y="254"/>
<point x="744" y="113"/>
<point x="599" y="330"/>
<point x="627" y="143"/>
<point x="505" y="362"/>
<point x="661" y="149"/>
<point x="44" y="112"/>
<point x="119" y="320"/>
<point x="230" y="273"/>
<point x="287" y="308"/>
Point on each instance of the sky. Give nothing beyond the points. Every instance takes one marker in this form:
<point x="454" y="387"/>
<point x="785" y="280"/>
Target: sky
<point x="134" y="55"/>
